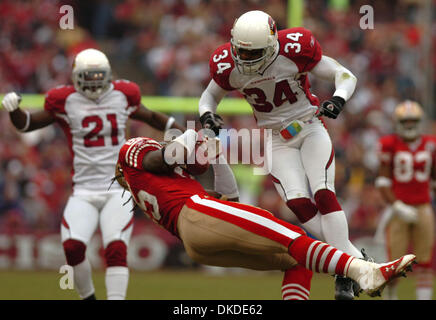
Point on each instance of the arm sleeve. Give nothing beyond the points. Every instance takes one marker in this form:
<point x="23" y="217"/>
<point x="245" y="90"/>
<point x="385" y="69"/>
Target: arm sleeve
<point x="330" y="69"/>
<point x="132" y="93"/>
<point x="55" y="98"/>
<point x="305" y="51"/>
<point x="225" y="182"/>
<point x="211" y="97"/>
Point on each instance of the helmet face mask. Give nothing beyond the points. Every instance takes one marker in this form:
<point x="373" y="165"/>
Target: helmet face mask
<point x="408" y="120"/>
<point x="253" y="41"/>
<point x="253" y="65"/>
<point x="91" y="73"/>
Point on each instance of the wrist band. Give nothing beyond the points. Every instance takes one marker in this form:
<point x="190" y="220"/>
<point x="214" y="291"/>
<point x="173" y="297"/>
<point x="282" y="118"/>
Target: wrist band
<point x="26" y="126"/>
<point x="170" y="122"/>
<point x="382" y="181"/>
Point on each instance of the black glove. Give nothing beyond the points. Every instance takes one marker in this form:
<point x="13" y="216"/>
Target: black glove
<point x="332" y="107"/>
<point x="211" y="121"/>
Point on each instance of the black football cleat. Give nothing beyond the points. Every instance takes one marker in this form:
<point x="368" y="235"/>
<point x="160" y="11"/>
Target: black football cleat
<point x="91" y="297"/>
<point x="344" y="288"/>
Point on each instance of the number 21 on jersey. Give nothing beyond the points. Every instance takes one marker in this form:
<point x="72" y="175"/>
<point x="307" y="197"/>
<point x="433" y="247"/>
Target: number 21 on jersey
<point x="94" y="138"/>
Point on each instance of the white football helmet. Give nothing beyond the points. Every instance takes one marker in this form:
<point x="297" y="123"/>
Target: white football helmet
<point x="408" y="118"/>
<point x="253" y="41"/>
<point x="91" y="73"/>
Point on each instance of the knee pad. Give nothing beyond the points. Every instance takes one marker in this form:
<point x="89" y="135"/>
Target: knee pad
<point x="326" y="201"/>
<point x="115" y="254"/>
<point x="303" y="208"/>
<point x="74" y="251"/>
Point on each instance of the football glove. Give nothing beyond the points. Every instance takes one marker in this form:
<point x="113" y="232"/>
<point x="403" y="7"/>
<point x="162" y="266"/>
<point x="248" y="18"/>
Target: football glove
<point x="211" y="121"/>
<point x="405" y="212"/>
<point x="11" y="101"/>
<point x="332" y="107"/>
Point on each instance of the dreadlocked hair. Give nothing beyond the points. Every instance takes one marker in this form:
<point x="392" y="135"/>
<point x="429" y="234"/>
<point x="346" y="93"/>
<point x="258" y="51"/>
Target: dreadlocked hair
<point x="119" y="177"/>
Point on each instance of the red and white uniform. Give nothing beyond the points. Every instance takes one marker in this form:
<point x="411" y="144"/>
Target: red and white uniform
<point x="278" y="95"/>
<point x="160" y="196"/>
<point x="282" y="92"/>
<point x="95" y="130"/>
<point x="207" y="236"/>
<point x="411" y="166"/>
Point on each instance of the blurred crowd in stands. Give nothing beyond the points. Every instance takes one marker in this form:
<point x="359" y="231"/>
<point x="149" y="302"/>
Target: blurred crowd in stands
<point x="165" y="47"/>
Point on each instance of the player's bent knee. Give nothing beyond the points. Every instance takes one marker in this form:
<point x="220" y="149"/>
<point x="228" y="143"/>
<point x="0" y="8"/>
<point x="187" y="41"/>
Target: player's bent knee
<point x="74" y="251"/>
<point x="326" y="201"/>
<point x="303" y="208"/>
<point x="115" y="254"/>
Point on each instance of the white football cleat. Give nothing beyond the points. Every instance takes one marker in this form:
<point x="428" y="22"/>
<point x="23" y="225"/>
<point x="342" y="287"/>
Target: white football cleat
<point x="374" y="276"/>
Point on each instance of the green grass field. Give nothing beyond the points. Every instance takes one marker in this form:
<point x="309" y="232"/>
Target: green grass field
<point x="174" y="285"/>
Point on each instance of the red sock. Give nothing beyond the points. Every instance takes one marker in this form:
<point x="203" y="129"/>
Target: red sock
<point x="296" y="283"/>
<point x="319" y="256"/>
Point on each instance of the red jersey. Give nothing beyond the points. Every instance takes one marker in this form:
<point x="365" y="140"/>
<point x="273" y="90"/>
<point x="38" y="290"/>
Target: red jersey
<point x="160" y="196"/>
<point x="411" y="165"/>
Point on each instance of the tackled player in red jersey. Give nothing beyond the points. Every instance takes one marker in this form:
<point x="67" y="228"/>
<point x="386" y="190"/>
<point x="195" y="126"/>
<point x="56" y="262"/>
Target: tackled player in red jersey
<point x="407" y="167"/>
<point x="229" y="234"/>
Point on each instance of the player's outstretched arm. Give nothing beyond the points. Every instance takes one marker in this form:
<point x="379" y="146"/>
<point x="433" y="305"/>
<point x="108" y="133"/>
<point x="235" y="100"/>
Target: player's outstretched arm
<point x="24" y="120"/>
<point x="156" y="119"/>
<point x="345" y="83"/>
<point x="208" y="103"/>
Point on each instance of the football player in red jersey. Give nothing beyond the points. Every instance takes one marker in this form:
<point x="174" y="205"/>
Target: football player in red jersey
<point x="270" y="68"/>
<point x="229" y="234"/>
<point x="93" y="114"/>
<point x="407" y="167"/>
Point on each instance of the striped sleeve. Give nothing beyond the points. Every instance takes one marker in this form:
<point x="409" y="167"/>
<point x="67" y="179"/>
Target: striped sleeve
<point x="134" y="150"/>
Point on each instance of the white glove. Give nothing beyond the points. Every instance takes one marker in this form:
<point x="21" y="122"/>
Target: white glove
<point x="11" y="101"/>
<point x="405" y="212"/>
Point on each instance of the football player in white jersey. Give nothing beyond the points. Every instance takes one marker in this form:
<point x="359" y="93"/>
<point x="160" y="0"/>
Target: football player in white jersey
<point x="270" y="68"/>
<point x="93" y="113"/>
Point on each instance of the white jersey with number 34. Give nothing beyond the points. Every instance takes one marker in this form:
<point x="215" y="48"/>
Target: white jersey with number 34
<point x="95" y="130"/>
<point x="282" y="92"/>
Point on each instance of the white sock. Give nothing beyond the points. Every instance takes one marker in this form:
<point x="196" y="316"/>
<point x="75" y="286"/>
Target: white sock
<point x="83" y="279"/>
<point x="424" y="293"/>
<point x="335" y="230"/>
<point x="424" y="283"/>
<point x="313" y="226"/>
<point x="117" y="279"/>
